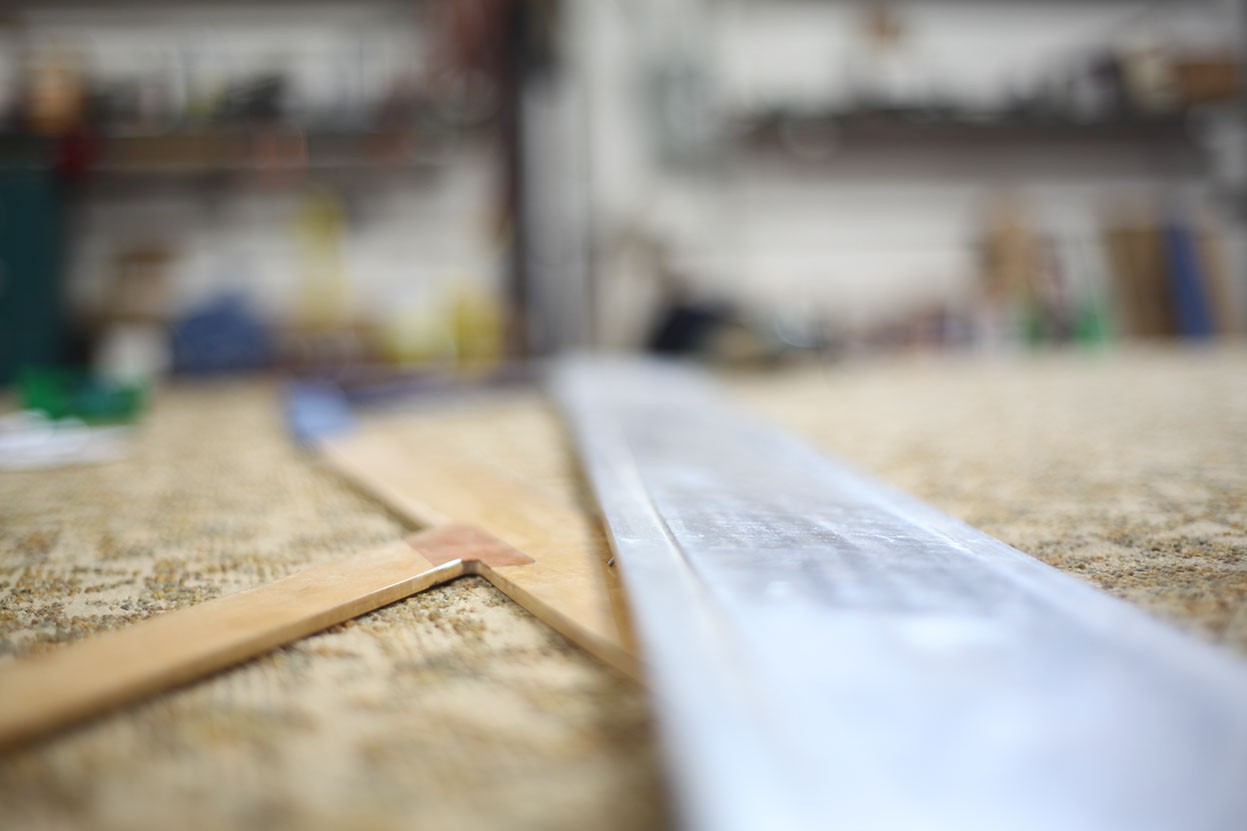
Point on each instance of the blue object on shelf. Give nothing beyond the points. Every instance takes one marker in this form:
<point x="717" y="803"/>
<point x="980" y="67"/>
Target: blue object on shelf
<point x="223" y="336"/>
<point x="1186" y="282"/>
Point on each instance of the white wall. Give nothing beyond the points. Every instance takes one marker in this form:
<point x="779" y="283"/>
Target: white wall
<point x="405" y="242"/>
<point x="978" y="52"/>
<point x="330" y="51"/>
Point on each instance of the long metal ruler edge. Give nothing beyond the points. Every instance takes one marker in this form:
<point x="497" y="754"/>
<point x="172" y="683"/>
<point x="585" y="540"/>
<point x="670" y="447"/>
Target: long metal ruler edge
<point x="1119" y="721"/>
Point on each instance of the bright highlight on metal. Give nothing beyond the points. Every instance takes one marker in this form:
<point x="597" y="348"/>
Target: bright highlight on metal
<point x="826" y="652"/>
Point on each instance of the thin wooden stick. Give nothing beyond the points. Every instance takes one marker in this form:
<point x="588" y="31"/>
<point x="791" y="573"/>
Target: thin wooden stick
<point x="60" y="688"/>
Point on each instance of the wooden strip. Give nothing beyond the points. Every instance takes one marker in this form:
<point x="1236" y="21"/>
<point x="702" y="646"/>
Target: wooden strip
<point x="567" y="586"/>
<point x="60" y="688"/>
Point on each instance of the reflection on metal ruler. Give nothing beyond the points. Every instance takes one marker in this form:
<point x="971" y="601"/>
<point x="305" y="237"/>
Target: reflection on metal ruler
<point x="826" y="652"/>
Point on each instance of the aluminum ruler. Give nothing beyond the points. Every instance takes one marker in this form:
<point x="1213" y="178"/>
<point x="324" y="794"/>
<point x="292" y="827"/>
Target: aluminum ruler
<point x="827" y="652"/>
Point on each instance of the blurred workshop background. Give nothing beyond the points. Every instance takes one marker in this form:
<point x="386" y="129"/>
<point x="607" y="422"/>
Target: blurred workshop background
<point x="434" y="187"/>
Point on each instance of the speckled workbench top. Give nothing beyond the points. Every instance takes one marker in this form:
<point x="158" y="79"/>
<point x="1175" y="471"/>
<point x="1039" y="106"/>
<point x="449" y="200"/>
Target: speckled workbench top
<point x="455" y="709"/>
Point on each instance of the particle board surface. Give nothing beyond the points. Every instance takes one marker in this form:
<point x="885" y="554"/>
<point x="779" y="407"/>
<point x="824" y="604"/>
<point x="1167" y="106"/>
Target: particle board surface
<point x="1129" y="469"/>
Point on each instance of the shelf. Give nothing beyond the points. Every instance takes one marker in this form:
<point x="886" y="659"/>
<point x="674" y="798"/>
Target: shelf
<point x="238" y="151"/>
<point x="927" y="126"/>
